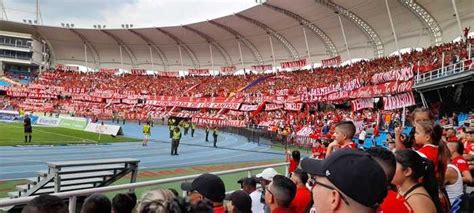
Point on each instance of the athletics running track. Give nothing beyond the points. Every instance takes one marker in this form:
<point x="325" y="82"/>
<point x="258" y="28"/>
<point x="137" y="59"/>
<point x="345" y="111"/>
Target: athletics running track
<point x="23" y="161"/>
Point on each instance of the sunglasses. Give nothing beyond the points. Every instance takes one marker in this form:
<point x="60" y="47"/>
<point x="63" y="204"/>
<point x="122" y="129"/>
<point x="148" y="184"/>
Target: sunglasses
<point x="313" y="182"/>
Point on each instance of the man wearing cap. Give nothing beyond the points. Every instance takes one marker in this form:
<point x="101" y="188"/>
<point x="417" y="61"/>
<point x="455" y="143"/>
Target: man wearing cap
<point x="206" y="187"/>
<point x="342" y="136"/>
<point x="349" y="180"/>
<point x="239" y="202"/>
<point x="266" y="177"/>
<point x="249" y="185"/>
<point x="279" y="194"/>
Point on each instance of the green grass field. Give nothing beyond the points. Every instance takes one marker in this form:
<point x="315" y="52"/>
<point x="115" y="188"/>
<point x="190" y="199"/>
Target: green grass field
<point x="12" y="134"/>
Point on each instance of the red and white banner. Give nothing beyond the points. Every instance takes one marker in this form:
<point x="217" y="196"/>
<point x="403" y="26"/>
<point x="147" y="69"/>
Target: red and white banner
<point x="398" y="101"/>
<point x="331" y="61"/>
<point x="262" y="67"/>
<point x="63" y="67"/>
<point x="271" y="107"/>
<point x="228" y="70"/>
<point x="138" y="72"/>
<point x="186" y="102"/>
<point x="403" y="74"/>
<point x="378" y="90"/>
<point x="345" y="86"/>
<point x="198" y="72"/>
<point x="293" y="106"/>
<point x="247" y="107"/>
<point x="362" y="103"/>
<point x="294" y="64"/>
<point x="305" y="131"/>
<point x="108" y="71"/>
<point x="167" y="74"/>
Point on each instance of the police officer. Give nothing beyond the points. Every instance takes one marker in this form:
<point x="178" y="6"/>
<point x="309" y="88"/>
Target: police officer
<point x="175" y="140"/>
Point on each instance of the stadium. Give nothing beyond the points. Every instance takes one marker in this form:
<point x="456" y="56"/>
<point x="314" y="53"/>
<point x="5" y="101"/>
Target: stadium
<point x="272" y="108"/>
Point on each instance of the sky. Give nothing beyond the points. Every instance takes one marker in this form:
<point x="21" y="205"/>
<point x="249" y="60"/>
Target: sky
<point x="114" y="13"/>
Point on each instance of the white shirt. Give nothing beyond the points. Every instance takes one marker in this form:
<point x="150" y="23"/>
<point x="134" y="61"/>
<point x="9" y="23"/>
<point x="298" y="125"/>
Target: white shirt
<point x="456" y="189"/>
<point x="257" y="206"/>
<point x="362" y="135"/>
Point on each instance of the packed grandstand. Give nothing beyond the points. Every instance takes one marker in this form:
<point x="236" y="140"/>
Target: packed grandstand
<point x="380" y="133"/>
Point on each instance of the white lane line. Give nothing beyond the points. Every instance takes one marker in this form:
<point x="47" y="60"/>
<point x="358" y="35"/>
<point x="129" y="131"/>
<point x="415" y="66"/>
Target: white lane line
<point x="53" y="133"/>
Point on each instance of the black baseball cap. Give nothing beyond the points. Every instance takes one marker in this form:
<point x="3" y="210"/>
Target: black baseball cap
<point x="240" y="200"/>
<point x="209" y="185"/>
<point x="250" y="181"/>
<point x="354" y="172"/>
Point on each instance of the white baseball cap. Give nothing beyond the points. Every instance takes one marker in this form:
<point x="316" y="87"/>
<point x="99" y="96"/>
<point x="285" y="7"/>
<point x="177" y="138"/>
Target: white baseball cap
<point x="267" y="174"/>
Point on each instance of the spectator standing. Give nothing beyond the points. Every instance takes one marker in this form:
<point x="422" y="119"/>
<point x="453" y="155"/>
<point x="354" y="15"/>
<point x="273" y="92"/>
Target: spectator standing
<point x="456" y="150"/>
<point x="46" y="204"/>
<point x="96" y="203"/>
<point x="343" y="134"/>
<point x="411" y="167"/>
<point x="279" y="194"/>
<point x="249" y="185"/>
<point x="332" y="192"/>
<point x="239" y="202"/>
<point x="302" y="200"/>
<point x="206" y="186"/>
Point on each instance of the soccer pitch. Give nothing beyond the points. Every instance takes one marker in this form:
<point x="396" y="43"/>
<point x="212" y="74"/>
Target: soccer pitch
<point x="11" y="134"/>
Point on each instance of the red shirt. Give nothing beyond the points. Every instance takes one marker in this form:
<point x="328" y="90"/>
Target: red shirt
<point x="219" y="209"/>
<point x="282" y="210"/>
<point x="452" y="139"/>
<point x="461" y="163"/>
<point x="394" y="203"/>
<point x="431" y="153"/>
<point x="321" y="150"/>
<point x="468" y="147"/>
<point x="293" y="165"/>
<point x="351" y="145"/>
<point x="302" y="200"/>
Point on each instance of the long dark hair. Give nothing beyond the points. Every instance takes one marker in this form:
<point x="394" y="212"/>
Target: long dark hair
<point x="421" y="168"/>
<point x="296" y="155"/>
<point x="436" y="132"/>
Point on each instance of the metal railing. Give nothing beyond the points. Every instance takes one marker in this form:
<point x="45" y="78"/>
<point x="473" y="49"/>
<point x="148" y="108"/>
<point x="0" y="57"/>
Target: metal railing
<point x="443" y="72"/>
<point x="72" y="195"/>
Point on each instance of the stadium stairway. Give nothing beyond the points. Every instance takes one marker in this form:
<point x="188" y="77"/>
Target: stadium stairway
<point x="77" y="175"/>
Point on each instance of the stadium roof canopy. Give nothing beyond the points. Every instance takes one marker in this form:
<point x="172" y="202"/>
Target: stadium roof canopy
<point x="276" y="23"/>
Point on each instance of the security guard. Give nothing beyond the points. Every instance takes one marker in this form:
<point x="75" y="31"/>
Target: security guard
<point x="186" y="127"/>
<point x="146" y="133"/>
<point x="207" y="133"/>
<point x="214" y="134"/>
<point x="175" y="140"/>
<point x="193" y="128"/>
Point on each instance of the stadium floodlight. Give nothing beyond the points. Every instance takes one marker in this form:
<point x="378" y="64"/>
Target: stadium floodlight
<point x="123" y="25"/>
<point x="67" y="25"/>
<point x="62" y="24"/>
<point x="126" y="26"/>
<point x="72" y="25"/>
<point x="103" y="26"/>
<point x="24" y="20"/>
<point x="94" y="26"/>
<point x="131" y="25"/>
<point x="29" y="22"/>
<point x="36" y="21"/>
<point x="98" y="26"/>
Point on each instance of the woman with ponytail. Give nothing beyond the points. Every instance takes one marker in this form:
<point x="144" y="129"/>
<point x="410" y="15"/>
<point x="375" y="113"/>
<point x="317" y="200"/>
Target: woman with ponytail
<point x="428" y="137"/>
<point x="421" y="196"/>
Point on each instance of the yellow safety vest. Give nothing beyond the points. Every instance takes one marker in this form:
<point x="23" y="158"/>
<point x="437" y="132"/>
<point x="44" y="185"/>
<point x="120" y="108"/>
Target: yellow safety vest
<point x="146" y="129"/>
<point x="176" y="135"/>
